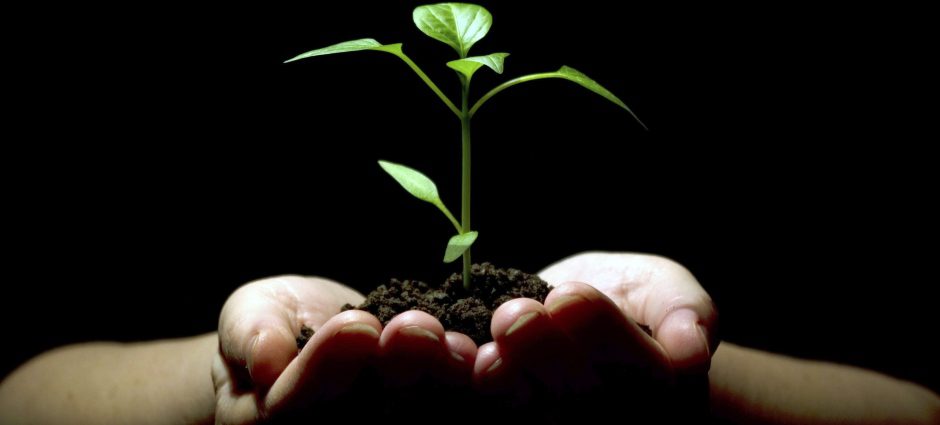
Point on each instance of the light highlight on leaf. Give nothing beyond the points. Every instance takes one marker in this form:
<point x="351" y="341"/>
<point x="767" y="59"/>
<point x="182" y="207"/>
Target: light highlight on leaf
<point x="459" y="25"/>
<point x="467" y="66"/>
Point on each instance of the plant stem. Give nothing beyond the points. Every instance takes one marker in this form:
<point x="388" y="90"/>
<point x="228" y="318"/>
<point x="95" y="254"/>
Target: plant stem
<point x="465" y="174"/>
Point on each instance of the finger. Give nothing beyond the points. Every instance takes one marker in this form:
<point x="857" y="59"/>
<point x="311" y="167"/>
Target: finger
<point x="533" y="345"/>
<point x="413" y="347"/>
<point x="329" y="363"/>
<point x="600" y="328"/>
<point x="655" y="291"/>
<point x="461" y="347"/>
<point x="493" y="377"/>
<point x="463" y="352"/>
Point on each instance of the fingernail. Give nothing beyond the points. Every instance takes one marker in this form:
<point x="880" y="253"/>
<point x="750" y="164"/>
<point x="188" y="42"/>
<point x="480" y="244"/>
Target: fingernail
<point x="522" y="320"/>
<point x="495" y="365"/>
<point x="564" y="301"/>
<point x="249" y="364"/>
<point x="702" y="333"/>
<point x="419" y="332"/>
<point x="456" y="356"/>
<point x="358" y="328"/>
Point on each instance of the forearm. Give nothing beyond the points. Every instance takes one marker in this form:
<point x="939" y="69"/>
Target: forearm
<point x="159" y="382"/>
<point x="751" y="386"/>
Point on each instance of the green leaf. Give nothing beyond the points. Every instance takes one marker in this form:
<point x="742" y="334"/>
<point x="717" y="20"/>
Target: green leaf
<point x="349" y="46"/>
<point x="456" y="24"/>
<point x="417" y="184"/>
<point x="565" y="72"/>
<point x="572" y="74"/>
<point x="467" y="66"/>
<point x="459" y="244"/>
<point x="371" y="44"/>
<point x="576" y="76"/>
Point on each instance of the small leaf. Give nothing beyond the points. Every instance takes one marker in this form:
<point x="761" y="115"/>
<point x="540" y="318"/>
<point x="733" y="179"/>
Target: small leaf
<point x="459" y="244"/>
<point x="456" y="24"/>
<point x="467" y="66"/>
<point x="576" y="76"/>
<point x="351" y="46"/>
<point x="417" y="184"/>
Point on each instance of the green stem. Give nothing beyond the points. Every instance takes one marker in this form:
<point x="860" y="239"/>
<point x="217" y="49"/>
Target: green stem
<point x="507" y="85"/>
<point x="427" y="80"/>
<point x="465" y="175"/>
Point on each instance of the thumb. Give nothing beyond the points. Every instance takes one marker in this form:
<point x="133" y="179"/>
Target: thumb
<point x="255" y="334"/>
<point x="686" y="338"/>
<point x="682" y="315"/>
<point x="271" y="351"/>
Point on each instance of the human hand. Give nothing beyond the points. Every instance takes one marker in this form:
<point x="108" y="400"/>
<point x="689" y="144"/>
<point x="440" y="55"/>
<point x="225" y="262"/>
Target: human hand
<point x="588" y="328"/>
<point x="259" y="373"/>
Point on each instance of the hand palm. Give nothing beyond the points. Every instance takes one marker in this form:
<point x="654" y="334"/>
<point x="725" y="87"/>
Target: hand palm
<point x="655" y="292"/>
<point x="259" y="372"/>
<point x="258" y="369"/>
<point x="586" y="335"/>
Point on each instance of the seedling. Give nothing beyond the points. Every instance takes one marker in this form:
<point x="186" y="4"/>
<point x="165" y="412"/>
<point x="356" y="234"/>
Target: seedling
<point x="459" y="25"/>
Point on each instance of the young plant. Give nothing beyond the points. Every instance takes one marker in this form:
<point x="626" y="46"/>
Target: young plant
<point x="459" y="25"/>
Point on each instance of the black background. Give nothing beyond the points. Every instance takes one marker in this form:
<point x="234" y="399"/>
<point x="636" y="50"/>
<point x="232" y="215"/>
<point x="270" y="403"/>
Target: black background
<point x="156" y="159"/>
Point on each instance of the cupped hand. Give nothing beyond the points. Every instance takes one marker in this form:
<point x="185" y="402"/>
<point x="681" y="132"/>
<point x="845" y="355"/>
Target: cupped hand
<point x="260" y="374"/>
<point x="590" y="328"/>
<point x="587" y="331"/>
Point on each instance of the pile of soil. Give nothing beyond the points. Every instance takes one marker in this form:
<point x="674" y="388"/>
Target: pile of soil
<point x="467" y="312"/>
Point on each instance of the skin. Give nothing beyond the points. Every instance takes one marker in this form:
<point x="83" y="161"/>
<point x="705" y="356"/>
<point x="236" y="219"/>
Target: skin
<point x="251" y="371"/>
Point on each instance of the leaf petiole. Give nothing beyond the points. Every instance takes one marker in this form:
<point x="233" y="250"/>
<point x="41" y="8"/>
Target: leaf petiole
<point x="440" y="206"/>
<point x="427" y="80"/>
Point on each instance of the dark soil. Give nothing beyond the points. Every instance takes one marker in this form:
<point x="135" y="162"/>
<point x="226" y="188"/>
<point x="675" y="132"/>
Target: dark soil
<point x="467" y="312"/>
<point x="305" y="334"/>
